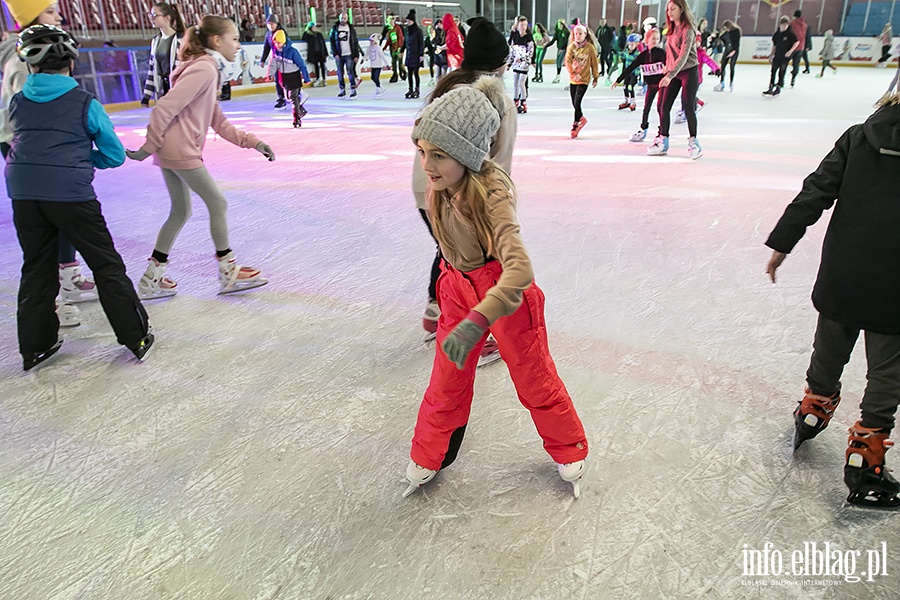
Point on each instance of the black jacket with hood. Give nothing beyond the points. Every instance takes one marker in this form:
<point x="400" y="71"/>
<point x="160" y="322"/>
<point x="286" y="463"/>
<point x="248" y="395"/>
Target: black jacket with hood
<point x="859" y="276"/>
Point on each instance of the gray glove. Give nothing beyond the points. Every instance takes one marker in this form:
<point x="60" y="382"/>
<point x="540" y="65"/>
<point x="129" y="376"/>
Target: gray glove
<point x="266" y="150"/>
<point x="137" y="155"/>
<point x="460" y="342"/>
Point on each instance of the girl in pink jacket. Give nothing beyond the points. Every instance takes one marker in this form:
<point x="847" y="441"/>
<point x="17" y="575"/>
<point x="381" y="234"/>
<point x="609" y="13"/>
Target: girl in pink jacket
<point x="176" y="135"/>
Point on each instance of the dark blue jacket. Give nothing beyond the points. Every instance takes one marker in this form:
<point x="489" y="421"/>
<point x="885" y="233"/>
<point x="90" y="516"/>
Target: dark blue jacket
<point x="55" y="128"/>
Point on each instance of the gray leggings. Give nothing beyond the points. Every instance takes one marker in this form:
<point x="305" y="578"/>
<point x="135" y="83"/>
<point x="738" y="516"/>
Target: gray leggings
<point x="519" y="80"/>
<point x="180" y="184"/>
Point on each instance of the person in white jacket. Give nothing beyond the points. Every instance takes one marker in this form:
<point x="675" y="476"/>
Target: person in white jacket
<point x="377" y="61"/>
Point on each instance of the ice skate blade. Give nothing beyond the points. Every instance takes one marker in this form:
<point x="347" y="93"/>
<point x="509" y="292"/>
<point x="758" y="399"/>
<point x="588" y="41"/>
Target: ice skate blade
<point x="30" y="362"/>
<point x="488" y="359"/>
<point x="576" y="488"/>
<point x="243" y="287"/>
<point x="411" y="490"/>
<point x="156" y="295"/>
<point x="872" y="500"/>
<point x="78" y="297"/>
<point x="430" y="336"/>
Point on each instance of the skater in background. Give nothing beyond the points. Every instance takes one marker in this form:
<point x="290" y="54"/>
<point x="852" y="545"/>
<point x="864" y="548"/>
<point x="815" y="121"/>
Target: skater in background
<point x="486" y="52"/>
<point x="74" y="286"/>
<point x="453" y="39"/>
<point x="561" y="39"/>
<point x="378" y="60"/>
<point x="784" y="44"/>
<point x="583" y="68"/>
<point x="652" y="63"/>
<point x="62" y="134"/>
<point x="606" y="37"/>
<point x="856" y="290"/>
<point x="731" y="39"/>
<point x="272" y="25"/>
<point x="521" y="53"/>
<point x="189" y="107"/>
<point x="316" y="52"/>
<point x="439" y="41"/>
<point x="827" y="53"/>
<point x="486" y="285"/>
<point x="415" y="54"/>
<point x="681" y="78"/>
<point x="346" y="52"/>
<point x="541" y="39"/>
<point x="288" y="67"/>
<point x="800" y="29"/>
<point x="886" y="37"/>
<point x="429" y="52"/>
<point x="394" y="41"/>
<point x="163" y="51"/>
<point x="704" y="59"/>
<point x="628" y="78"/>
<point x="248" y="31"/>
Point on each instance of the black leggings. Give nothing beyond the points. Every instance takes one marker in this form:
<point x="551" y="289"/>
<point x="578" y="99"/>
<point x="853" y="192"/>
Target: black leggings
<point x="321" y="73"/>
<point x="685" y="84"/>
<point x="725" y="63"/>
<point x="436" y="264"/>
<point x="577" y="92"/>
<point x="413" y="74"/>
<point x="652" y="91"/>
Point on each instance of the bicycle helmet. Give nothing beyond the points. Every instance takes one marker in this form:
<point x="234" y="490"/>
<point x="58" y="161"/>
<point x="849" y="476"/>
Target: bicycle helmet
<point x="47" y="47"/>
<point x="633" y="38"/>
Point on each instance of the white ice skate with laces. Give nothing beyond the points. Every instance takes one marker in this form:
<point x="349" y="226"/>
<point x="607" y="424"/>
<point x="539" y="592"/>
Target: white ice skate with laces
<point x="417" y="477"/>
<point x="237" y="278"/>
<point x="74" y="286"/>
<point x="571" y="473"/>
<point x="154" y="283"/>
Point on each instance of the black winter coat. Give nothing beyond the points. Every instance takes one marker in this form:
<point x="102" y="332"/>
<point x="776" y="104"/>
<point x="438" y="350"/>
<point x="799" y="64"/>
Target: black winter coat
<point x="415" y="46"/>
<point x="859" y="276"/>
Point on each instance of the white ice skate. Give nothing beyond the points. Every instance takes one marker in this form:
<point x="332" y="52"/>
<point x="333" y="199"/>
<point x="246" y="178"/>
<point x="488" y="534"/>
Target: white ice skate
<point x="720" y="87"/>
<point x="680" y="117"/>
<point x="417" y="476"/>
<point x="639" y="136"/>
<point x="430" y="320"/>
<point x="571" y="473"/>
<point x="67" y="314"/>
<point x="154" y="284"/>
<point x="74" y="286"/>
<point x="237" y="278"/>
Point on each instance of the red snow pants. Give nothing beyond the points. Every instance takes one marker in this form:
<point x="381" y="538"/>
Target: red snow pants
<point x="522" y="339"/>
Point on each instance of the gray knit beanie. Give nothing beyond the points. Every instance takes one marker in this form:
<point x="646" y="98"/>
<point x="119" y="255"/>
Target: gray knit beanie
<point x="462" y="123"/>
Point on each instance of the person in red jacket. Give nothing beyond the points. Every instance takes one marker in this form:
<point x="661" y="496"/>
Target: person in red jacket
<point x="454" y="42"/>
<point x="799" y="27"/>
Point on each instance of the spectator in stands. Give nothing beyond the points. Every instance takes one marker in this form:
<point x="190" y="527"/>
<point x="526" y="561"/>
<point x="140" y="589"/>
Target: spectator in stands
<point x="316" y="52"/>
<point x="799" y="27"/>
<point x="273" y="25"/>
<point x="163" y="50"/>
<point x="248" y="30"/>
<point x="346" y="51"/>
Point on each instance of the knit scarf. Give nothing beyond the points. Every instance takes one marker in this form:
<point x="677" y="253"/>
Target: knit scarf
<point x="226" y="69"/>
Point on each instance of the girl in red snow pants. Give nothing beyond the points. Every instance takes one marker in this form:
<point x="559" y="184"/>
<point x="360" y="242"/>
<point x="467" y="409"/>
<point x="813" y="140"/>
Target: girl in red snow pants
<point x="522" y="339"/>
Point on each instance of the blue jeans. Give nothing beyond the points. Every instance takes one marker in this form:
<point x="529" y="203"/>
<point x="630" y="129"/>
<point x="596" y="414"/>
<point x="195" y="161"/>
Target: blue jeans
<point x="345" y="62"/>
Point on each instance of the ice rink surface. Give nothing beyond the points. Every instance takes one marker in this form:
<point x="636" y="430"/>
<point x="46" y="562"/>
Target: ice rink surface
<point x="260" y="451"/>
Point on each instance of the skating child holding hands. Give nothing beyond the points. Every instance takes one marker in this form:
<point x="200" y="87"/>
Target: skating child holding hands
<point x="629" y="77"/>
<point x="652" y="63"/>
<point x="583" y="67"/>
<point x="486" y="285"/>
<point x="176" y="135"/>
<point x="856" y="290"/>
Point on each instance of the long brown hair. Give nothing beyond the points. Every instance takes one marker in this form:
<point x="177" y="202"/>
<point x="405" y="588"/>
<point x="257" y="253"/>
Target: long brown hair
<point x="687" y="19"/>
<point x="475" y="190"/>
<point x="197" y="40"/>
<point x="171" y="12"/>
<point x="451" y="80"/>
<point x="731" y="25"/>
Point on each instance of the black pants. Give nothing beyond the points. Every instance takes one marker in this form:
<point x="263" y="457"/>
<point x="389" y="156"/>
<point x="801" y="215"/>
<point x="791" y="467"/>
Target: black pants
<point x="577" y="92"/>
<point x="376" y="76"/>
<point x="652" y="91"/>
<point x="796" y="57"/>
<point x="279" y="90"/>
<point x="605" y="60"/>
<point x="726" y="62"/>
<point x="779" y="68"/>
<point x="831" y="352"/>
<point x="321" y="73"/>
<point x="38" y="224"/>
<point x="436" y="264"/>
<point x="684" y="84"/>
<point x="412" y="72"/>
<point x="806" y="61"/>
<point x="628" y="87"/>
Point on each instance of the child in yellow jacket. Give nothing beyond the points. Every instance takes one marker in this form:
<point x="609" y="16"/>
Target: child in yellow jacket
<point x="583" y="67"/>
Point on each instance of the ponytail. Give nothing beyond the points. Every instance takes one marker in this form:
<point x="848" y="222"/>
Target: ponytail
<point x="171" y="12"/>
<point x="197" y="40"/>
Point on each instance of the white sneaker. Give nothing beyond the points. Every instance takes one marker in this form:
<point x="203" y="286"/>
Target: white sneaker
<point x="74" y="286"/>
<point x="572" y="473"/>
<point x="67" y="314"/>
<point x="694" y="149"/>
<point x="417" y="477"/>
<point x="154" y="283"/>
<point x="237" y="278"/>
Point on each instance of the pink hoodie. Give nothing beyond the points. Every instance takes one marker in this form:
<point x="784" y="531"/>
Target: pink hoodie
<point x="179" y="121"/>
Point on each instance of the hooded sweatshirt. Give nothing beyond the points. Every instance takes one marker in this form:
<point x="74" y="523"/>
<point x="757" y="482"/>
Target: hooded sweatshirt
<point x="13" y="71"/>
<point x="179" y="121"/>
<point x="857" y="284"/>
<point x="582" y="63"/>
<point x="287" y="60"/>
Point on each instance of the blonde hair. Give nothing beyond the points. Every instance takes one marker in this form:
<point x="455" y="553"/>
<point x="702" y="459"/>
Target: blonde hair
<point x="475" y="190"/>
<point x="197" y="40"/>
<point x="889" y="99"/>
